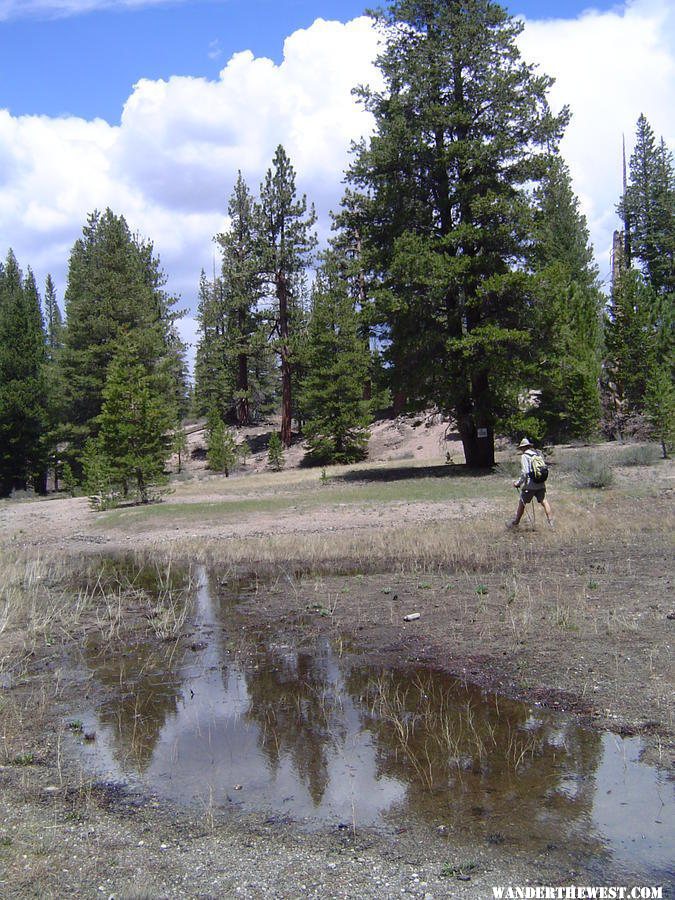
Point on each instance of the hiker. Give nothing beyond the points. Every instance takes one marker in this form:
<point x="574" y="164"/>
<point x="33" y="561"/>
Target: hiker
<point x="531" y="482"/>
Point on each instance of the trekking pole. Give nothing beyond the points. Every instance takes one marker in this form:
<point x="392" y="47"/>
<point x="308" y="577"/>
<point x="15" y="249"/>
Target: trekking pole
<point x="530" y="512"/>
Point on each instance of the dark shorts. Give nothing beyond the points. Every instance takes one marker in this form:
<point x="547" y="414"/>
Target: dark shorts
<point x="540" y="493"/>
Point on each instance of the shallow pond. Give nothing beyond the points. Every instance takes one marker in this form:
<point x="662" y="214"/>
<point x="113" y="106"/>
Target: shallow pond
<point x="240" y="720"/>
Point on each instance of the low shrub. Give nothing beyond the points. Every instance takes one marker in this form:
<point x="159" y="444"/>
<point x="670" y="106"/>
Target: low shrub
<point x="590" y="470"/>
<point x="638" y="455"/>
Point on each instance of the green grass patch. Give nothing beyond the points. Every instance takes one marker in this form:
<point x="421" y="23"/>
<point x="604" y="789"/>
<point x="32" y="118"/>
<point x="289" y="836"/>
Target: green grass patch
<point x="306" y="496"/>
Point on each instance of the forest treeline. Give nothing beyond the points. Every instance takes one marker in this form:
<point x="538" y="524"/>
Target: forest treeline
<point x="459" y="275"/>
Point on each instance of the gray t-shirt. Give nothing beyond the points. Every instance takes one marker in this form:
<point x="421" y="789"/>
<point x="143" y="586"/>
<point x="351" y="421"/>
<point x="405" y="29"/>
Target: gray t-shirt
<point x="525" y="481"/>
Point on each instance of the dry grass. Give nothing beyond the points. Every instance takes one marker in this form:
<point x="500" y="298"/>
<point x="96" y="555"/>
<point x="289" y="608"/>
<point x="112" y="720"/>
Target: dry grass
<point x="48" y="601"/>
<point x="473" y="543"/>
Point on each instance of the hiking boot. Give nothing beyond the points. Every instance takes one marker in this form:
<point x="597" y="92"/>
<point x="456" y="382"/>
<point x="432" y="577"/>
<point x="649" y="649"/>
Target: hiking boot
<point x="511" y="525"/>
<point x="551" y="525"/>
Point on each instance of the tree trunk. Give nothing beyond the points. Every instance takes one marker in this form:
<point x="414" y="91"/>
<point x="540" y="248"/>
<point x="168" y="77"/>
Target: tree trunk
<point x="478" y="442"/>
<point x="399" y="402"/>
<point x="142" y="486"/>
<point x="286" y="400"/>
<point x="243" y="409"/>
<point x="286" y="369"/>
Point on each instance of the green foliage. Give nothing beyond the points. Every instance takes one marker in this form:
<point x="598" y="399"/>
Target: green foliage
<point x="214" y="384"/>
<point x="68" y="480"/>
<point x="632" y="338"/>
<point x="660" y="405"/>
<point x="23" y="394"/>
<point x="462" y="131"/>
<point x="648" y="210"/>
<point x="337" y="364"/>
<point x="97" y="477"/>
<point x="115" y="287"/>
<point x="275" y="452"/>
<point x="53" y="320"/>
<point x="221" y="451"/>
<point x="231" y="354"/>
<point x="179" y="445"/>
<point x="528" y="423"/>
<point x="135" y="423"/>
<point x="568" y="312"/>
<point x="242" y="289"/>
<point x="287" y="242"/>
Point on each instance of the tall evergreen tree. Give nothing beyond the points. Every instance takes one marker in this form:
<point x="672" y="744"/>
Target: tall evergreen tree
<point x="569" y="315"/>
<point x="115" y="286"/>
<point x="23" y="413"/>
<point x="337" y="364"/>
<point x="632" y="339"/>
<point x="53" y="320"/>
<point x="462" y="130"/>
<point x="55" y="387"/>
<point x="242" y="280"/>
<point x="214" y="385"/>
<point x="287" y="244"/>
<point x="648" y="209"/>
<point x="640" y="317"/>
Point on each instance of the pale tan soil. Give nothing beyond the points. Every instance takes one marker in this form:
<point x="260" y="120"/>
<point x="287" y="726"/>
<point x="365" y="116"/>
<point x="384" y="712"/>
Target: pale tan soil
<point x="576" y="619"/>
<point x="419" y="437"/>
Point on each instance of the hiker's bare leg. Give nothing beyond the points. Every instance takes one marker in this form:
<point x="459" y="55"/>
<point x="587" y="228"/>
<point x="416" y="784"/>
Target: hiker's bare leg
<point x="519" y="512"/>
<point x="547" y="510"/>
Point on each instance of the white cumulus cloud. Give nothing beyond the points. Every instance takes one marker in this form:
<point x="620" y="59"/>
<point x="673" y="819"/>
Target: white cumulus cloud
<point x="170" y="165"/>
<point x="609" y="67"/>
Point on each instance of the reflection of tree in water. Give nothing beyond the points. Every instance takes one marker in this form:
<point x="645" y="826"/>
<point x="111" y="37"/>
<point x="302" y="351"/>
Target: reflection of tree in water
<point x="145" y="688"/>
<point x="294" y="702"/>
<point x="466" y="756"/>
<point x="143" y="681"/>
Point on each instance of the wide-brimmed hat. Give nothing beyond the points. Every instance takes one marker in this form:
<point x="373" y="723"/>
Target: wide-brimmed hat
<point x="524" y="444"/>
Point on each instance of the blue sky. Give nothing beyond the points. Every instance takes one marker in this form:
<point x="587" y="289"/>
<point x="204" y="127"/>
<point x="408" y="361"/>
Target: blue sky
<point x="86" y="64"/>
<point x="152" y="106"/>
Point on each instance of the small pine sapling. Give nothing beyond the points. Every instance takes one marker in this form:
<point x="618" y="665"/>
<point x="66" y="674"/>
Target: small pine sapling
<point x="275" y="452"/>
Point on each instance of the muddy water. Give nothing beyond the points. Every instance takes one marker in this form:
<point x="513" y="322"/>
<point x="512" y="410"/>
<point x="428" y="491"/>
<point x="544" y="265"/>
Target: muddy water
<point x="239" y="720"/>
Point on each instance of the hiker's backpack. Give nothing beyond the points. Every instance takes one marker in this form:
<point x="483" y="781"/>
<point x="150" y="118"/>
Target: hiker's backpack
<point x="538" y="467"/>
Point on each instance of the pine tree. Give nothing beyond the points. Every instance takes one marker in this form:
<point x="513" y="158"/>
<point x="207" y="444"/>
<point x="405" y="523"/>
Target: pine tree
<point x="54" y="378"/>
<point x="221" y="445"/>
<point x="348" y="243"/>
<point x="275" y="452"/>
<point x="214" y="386"/>
<point x="287" y="243"/>
<point x="632" y="339"/>
<point x="23" y="413"/>
<point x="115" y="287"/>
<point x="179" y="445"/>
<point x="53" y="320"/>
<point x="648" y="209"/>
<point x="660" y="406"/>
<point x="640" y="317"/>
<point x="568" y="313"/>
<point x="462" y="131"/>
<point x="337" y="365"/>
<point x="136" y="421"/>
<point x="242" y="280"/>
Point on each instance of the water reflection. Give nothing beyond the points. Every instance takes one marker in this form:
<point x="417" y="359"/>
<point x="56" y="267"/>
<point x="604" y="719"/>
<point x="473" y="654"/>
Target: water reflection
<point x="313" y="734"/>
